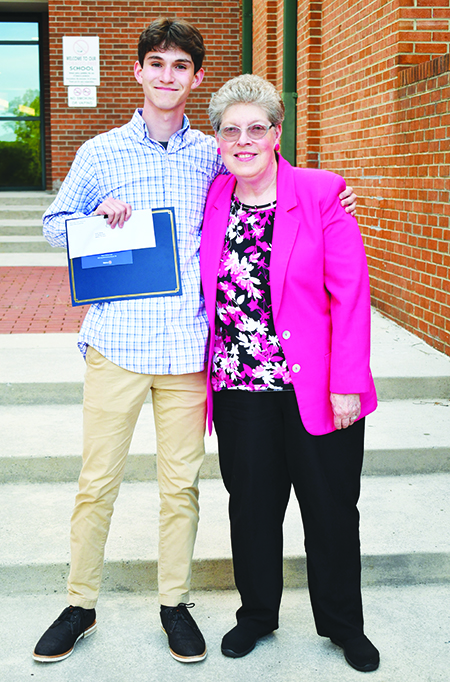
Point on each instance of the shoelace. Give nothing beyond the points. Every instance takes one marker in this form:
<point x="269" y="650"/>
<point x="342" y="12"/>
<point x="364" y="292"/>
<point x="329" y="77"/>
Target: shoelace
<point x="177" y="613"/>
<point x="71" y="615"/>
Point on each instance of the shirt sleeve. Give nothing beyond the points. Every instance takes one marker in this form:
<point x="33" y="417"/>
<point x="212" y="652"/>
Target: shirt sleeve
<point x="79" y="196"/>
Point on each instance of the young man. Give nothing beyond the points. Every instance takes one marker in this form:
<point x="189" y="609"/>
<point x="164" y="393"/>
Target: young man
<point x="134" y="346"/>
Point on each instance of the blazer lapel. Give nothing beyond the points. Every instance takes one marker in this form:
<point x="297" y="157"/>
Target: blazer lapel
<point x="285" y="231"/>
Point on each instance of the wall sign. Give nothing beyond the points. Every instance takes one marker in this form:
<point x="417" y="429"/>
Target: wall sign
<point x="82" y="96"/>
<point x="81" y="60"/>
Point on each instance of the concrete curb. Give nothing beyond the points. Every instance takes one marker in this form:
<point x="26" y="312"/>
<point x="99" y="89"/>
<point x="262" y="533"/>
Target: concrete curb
<point x="142" y="468"/>
<point x="69" y="393"/>
<point x="137" y="576"/>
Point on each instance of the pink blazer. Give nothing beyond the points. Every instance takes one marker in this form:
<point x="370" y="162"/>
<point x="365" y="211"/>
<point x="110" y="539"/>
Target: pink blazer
<point x="319" y="285"/>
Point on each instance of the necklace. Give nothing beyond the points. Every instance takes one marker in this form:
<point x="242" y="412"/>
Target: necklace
<point x="256" y="207"/>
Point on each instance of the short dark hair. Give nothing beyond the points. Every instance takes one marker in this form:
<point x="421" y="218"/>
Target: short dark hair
<point x="167" y="33"/>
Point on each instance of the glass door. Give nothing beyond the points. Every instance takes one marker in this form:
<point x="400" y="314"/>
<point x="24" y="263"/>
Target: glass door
<point x="21" y="124"/>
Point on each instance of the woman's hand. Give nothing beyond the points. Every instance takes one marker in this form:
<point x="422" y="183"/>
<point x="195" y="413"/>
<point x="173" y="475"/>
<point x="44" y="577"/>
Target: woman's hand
<point x="117" y="211"/>
<point x="348" y="200"/>
<point x="346" y="408"/>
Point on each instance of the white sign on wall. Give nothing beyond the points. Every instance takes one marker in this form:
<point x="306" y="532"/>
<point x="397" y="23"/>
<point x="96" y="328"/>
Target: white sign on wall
<point x="82" y="96"/>
<point x="81" y="60"/>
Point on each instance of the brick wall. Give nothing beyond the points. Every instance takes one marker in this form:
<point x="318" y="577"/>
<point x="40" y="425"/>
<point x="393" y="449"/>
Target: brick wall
<point x="423" y="30"/>
<point x="268" y="40"/>
<point x="309" y="65"/>
<point x="260" y="20"/>
<point x="385" y="127"/>
<point x="119" y="23"/>
<point x="408" y="233"/>
<point x="373" y="105"/>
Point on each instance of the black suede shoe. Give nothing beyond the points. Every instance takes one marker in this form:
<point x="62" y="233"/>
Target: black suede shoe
<point x="186" y="643"/>
<point x="360" y="653"/>
<point x="238" y="642"/>
<point x="59" y="640"/>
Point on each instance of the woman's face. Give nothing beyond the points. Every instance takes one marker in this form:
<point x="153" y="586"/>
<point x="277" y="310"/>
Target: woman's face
<point x="245" y="158"/>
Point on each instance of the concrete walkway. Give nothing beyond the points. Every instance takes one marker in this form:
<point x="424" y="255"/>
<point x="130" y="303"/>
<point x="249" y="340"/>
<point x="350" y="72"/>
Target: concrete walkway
<point x="409" y="625"/>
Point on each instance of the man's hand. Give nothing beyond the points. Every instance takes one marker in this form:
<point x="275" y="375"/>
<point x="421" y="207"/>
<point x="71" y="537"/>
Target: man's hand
<point x="348" y="200"/>
<point x="117" y="211"/>
<point x="346" y="409"/>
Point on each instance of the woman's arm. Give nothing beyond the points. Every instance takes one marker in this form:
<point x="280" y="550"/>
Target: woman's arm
<point x="346" y="409"/>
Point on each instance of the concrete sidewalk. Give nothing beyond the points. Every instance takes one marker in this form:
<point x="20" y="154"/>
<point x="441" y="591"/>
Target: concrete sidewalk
<point x="409" y="625"/>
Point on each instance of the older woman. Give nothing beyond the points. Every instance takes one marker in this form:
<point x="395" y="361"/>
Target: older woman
<point x="287" y="295"/>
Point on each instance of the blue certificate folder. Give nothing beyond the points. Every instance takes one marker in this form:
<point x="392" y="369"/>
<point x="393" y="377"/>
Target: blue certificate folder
<point x="139" y="273"/>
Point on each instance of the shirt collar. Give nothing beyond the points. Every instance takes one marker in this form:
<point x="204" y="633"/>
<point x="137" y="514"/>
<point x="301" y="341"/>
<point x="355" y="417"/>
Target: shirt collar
<point x="139" y="127"/>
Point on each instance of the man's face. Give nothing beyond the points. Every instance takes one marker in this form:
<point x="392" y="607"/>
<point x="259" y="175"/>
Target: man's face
<point x="167" y="77"/>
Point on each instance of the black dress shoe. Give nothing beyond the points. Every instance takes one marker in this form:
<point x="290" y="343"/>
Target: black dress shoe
<point x="238" y="642"/>
<point x="58" y="641"/>
<point x="186" y="643"/>
<point x="360" y="653"/>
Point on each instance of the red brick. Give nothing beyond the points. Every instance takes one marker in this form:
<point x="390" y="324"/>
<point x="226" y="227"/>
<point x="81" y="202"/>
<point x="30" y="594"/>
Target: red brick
<point x="37" y="300"/>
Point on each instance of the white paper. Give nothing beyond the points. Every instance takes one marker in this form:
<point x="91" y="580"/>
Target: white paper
<point x="92" y="235"/>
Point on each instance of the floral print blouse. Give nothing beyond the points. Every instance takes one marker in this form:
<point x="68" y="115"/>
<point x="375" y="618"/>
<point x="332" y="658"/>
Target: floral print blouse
<point x="247" y="351"/>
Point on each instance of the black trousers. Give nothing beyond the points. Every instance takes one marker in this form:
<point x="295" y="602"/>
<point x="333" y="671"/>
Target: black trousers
<point x="264" y="449"/>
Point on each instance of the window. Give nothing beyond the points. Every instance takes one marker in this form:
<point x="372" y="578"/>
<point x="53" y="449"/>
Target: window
<point x="20" y="105"/>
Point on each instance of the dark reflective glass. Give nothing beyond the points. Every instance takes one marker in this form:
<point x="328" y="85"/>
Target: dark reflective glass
<point x="20" y="154"/>
<point x="20" y="107"/>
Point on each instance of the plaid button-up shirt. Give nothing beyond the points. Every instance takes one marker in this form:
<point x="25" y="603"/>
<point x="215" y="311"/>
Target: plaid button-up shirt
<point x="158" y="335"/>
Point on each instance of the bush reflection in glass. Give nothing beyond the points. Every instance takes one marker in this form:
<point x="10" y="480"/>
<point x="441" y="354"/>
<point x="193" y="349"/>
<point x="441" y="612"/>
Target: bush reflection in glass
<point x="20" y="143"/>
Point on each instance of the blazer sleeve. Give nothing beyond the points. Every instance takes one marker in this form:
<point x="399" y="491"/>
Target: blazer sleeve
<point x="347" y="281"/>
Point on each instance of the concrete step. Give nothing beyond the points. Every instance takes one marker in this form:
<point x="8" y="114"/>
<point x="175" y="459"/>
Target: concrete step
<point x="50" y="445"/>
<point x="48" y="368"/>
<point x="25" y="227"/>
<point x="55" y="259"/>
<point x="27" y="244"/>
<point x="21" y="240"/>
<point x="31" y="198"/>
<point x="404" y="366"/>
<point x="409" y="625"/>
<point x="22" y="212"/>
<point x="402" y="437"/>
<point x="404" y="536"/>
<point x="40" y="369"/>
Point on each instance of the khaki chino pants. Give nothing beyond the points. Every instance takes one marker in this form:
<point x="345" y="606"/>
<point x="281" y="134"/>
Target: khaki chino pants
<point x="113" y="398"/>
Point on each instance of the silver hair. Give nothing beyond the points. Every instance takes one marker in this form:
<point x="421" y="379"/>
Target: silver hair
<point x="246" y="89"/>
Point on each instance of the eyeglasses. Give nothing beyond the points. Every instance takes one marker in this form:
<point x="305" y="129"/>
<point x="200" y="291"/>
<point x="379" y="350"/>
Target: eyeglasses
<point x="255" y="132"/>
